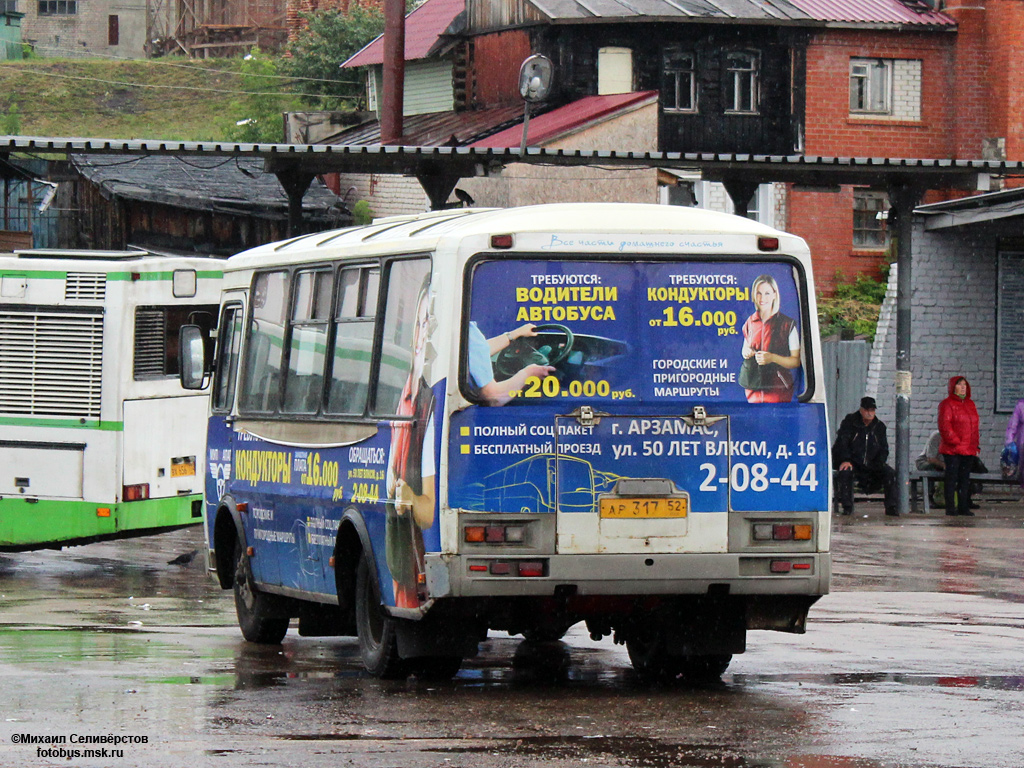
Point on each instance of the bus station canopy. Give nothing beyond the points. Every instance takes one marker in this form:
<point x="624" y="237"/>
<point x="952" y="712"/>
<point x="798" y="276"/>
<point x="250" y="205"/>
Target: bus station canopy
<point x="440" y="168"/>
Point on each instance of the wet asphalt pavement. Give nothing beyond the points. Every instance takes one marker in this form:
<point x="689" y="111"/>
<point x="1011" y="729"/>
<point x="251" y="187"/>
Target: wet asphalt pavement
<point x="916" y="659"/>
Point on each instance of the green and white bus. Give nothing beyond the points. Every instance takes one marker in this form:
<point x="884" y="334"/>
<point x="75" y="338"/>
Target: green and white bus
<point x="97" y="438"/>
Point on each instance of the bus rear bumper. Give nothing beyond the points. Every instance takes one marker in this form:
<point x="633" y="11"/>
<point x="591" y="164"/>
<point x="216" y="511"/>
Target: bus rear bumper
<point x="634" y="574"/>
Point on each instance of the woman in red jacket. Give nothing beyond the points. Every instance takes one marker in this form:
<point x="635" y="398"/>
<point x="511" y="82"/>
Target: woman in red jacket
<point x="958" y="428"/>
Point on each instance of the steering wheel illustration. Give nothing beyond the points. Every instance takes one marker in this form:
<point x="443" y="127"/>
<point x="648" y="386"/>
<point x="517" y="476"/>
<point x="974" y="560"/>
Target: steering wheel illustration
<point x="530" y="350"/>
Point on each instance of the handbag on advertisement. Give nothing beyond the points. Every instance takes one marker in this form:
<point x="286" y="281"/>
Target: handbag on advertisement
<point x="763" y="377"/>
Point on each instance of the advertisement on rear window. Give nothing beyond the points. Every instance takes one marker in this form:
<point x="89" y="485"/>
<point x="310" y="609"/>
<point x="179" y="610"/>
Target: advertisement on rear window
<point x="642" y="344"/>
<point x="543" y="331"/>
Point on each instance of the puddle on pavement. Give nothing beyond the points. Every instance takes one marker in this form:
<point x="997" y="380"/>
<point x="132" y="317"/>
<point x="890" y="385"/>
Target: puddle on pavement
<point x="991" y="682"/>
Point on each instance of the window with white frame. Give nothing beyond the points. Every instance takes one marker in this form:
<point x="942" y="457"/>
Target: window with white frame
<point x="870" y="217"/>
<point x="741" y="83"/>
<point x="871" y="86"/>
<point x="680" y="67"/>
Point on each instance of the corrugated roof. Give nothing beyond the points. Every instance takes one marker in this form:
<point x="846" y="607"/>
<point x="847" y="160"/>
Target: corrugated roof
<point x="874" y="12"/>
<point x="726" y="10"/>
<point x="809" y="12"/>
<point x="437" y="129"/>
<point x="572" y="116"/>
<point x="238" y="185"/>
<point x="423" y="28"/>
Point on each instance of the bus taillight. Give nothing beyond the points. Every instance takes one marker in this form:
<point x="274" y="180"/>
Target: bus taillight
<point x="494" y="534"/>
<point x="137" y="492"/>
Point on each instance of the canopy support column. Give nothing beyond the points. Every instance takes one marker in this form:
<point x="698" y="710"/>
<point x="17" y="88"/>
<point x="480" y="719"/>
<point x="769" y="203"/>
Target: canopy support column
<point x="903" y="198"/>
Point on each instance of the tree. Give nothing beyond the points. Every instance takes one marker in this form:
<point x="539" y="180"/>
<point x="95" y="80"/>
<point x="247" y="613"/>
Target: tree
<point x="257" y="114"/>
<point x="330" y="38"/>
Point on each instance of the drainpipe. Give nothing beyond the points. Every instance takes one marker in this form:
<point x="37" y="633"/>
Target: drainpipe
<point x="392" y="99"/>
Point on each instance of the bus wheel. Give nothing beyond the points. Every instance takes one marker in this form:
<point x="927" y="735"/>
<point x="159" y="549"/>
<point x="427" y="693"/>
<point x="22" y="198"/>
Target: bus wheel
<point x="378" y="639"/>
<point x="648" y="656"/>
<point x="437" y="667"/>
<point x="251" y="605"/>
<point x="651" y="660"/>
<point x="704" y="669"/>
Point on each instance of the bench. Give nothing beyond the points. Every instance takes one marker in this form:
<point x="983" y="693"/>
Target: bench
<point x="926" y="478"/>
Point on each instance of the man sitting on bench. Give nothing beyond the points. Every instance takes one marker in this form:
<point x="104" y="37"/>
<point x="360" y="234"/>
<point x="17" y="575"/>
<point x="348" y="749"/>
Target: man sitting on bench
<point x="860" y="452"/>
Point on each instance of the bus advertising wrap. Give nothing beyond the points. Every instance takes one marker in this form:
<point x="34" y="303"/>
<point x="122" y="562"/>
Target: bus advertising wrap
<point x="642" y="344"/>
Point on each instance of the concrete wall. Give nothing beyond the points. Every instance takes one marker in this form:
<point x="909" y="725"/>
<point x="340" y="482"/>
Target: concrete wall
<point x="84" y="34"/>
<point x="953" y="322"/>
<point x="636" y="131"/>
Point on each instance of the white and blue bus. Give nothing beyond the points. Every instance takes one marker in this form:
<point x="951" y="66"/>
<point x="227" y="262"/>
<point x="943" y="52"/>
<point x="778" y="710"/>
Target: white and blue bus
<point x="517" y="420"/>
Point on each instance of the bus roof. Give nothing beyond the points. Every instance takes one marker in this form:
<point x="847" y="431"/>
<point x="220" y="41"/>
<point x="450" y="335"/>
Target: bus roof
<point x="106" y="261"/>
<point x="423" y="231"/>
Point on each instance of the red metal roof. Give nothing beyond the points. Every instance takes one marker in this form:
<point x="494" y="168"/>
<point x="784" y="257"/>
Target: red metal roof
<point x="437" y="129"/>
<point x="873" y="12"/>
<point x="564" y="119"/>
<point x="423" y="28"/>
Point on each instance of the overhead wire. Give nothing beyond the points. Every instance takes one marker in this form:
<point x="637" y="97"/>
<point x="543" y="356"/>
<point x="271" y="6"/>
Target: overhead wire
<point x="156" y="86"/>
<point x="165" y="63"/>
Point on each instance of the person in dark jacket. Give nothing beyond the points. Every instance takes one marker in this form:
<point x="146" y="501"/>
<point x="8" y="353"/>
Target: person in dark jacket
<point x="860" y="453"/>
<point x="958" y="428"/>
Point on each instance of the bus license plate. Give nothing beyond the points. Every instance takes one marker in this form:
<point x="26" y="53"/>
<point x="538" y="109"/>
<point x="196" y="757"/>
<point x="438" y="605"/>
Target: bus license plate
<point x="183" y="468"/>
<point x="643" y="507"/>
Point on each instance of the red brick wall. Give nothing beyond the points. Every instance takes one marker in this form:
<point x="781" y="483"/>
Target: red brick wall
<point x="1004" y="38"/>
<point x="825" y="221"/>
<point x="830" y="130"/>
<point x="295" y="7"/>
<point x="977" y="84"/>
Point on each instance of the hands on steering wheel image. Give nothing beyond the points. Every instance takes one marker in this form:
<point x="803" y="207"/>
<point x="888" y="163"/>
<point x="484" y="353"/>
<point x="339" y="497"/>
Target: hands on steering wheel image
<point x="500" y="365"/>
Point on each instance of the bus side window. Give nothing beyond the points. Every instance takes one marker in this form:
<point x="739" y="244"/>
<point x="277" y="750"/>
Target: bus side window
<point x="354" y="321"/>
<point x="265" y="342"/>
<point x="311" y="312"/>
<point x="156" y="337"/>
<point x="406" y="280"/>
<point x="227" y="358"/>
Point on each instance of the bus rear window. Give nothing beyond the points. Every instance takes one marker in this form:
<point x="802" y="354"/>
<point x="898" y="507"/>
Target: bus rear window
<point x="653" y="331"/>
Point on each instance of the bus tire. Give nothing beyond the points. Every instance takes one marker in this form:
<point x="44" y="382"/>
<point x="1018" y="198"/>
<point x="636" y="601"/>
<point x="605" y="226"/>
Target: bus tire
<point x="252" y="607"/>
<point x="378" y="638"/>
<point x="651" y="660"/>
<point x="437" y="668"/>
<point x="704" y="669"/>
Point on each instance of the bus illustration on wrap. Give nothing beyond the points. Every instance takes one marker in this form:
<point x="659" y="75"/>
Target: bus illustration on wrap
<point x="98" y="440"/>
<point x="434" y="426"/>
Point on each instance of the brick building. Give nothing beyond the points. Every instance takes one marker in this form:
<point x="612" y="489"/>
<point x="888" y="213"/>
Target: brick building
<point x="967" y="316"/>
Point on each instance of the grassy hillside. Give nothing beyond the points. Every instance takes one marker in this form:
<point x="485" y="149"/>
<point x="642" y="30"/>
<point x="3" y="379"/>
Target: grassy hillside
<point x="177" y="99"/>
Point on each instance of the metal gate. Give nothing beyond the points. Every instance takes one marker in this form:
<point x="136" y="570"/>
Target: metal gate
<point x="845" y="372"/>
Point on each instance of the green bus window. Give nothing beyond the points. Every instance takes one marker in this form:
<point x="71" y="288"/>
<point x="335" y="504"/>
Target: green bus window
<point x="227" y="362"/>
<point x="263" y="352"/>
<point x="406" y="282"/>
<point x="311" y="312"/>
<point x="353" y="340"/>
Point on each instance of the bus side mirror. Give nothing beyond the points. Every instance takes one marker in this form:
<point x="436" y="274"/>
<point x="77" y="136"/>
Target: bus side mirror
<point x="192" y="357"/>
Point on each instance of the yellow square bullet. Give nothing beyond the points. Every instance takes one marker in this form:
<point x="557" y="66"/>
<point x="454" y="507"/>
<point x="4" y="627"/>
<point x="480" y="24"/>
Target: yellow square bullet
<point x="464" y="431"/>
<point x="464" y="448"/>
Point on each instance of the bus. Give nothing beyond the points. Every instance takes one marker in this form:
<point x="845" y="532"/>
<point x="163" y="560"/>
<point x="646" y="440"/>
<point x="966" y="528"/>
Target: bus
<point x="432" y="427"/>
<point x="98" y="440"/>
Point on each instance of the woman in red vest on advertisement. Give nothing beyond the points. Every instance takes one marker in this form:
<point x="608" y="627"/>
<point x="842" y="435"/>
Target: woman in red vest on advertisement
<point x="959" y="446"/>
<point x="771" y="347"/>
